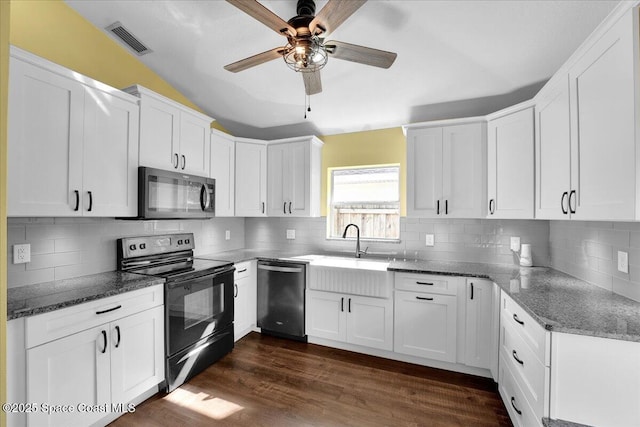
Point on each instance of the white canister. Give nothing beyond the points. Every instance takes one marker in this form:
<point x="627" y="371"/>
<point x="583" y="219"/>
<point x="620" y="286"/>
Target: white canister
<point x="525" y="255"/>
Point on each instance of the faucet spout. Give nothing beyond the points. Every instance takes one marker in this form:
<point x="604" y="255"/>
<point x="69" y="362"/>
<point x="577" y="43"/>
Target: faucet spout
<point x="344" y="235"/>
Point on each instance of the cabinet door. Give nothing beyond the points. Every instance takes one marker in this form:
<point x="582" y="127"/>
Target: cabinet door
<point x="278" y="179"/>
<point x="69" y="371"/>
<point x="510" y="159"/>
<point x="553" y="151"/>
<point x="242" y="320"/>
<point x="603" y="127"/>
<point x="110" y="176"/>
<point x="370" y="322"/>
<point x="462" y="171"/>
<point x="194" y="144"/>
<point x="251" y="179"/>
<point x="480" y="330"/>
<point x="44" y="142"/>
<point x="325" y="315"/>
<point x="222" y="169"/>
<point x="159" y="134"/>
<point x="424" y="172"/>
<point x="137" y="354"/>
<point x="298" y="183"/>
<point x="425" y="325"/>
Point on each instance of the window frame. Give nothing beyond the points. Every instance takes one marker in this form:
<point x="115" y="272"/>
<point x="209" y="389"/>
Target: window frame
<point x="330" y="219"/>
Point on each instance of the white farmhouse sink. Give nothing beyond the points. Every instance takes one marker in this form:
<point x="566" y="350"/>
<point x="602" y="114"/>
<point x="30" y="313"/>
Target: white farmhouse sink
<point x="355" y="276"/>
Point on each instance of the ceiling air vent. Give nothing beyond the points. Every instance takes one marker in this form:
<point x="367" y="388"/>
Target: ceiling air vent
<point x="129" y="39"/>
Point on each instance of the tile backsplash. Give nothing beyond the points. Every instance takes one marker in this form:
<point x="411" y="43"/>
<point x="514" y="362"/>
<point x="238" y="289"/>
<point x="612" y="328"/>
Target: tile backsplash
<point x="589" y="251"/>
<point x="472" y="240"/>
<point x="70" y="247"/>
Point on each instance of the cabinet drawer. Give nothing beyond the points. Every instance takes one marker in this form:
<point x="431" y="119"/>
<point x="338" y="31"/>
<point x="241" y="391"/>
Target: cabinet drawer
<point x="528" y="371"/>
<point x="436" y="284"/>
<point x="56" y="324"/>
<point x="514" y="400"/>
<point x="243" y="269"/>
<point x="531" y="332"/>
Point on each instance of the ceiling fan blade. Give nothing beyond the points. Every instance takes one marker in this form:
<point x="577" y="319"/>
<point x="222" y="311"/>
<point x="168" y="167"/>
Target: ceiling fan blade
<point x="312" y="82"/>
<point x="254" y="60"/>
<point x="334" y="13"/>
<point x="360" y="54"/>
<point x="264" y="15"/>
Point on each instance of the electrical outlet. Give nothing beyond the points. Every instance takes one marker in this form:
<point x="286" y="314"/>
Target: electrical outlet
<point x="623" y="262"/>
<point x="429" y="240"/>
<point x="227" y="235"/>
<point x="515" y="243"/>
<point x="291" y="234"/>
<point x="21" y="253"/>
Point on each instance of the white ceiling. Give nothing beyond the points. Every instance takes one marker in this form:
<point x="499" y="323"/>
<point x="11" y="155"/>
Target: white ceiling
<point x="455" y="59"/>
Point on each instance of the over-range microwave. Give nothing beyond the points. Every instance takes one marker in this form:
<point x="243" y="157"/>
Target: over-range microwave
<point x="173" y="195"/>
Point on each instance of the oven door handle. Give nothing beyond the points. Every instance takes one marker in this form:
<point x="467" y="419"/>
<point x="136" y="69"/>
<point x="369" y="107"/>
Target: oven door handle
<point x="179" y="283"/>
<point x="280" y="269"/>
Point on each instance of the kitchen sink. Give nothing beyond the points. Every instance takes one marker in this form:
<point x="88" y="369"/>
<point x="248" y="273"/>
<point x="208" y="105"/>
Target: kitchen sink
<point x="368" y="277"/>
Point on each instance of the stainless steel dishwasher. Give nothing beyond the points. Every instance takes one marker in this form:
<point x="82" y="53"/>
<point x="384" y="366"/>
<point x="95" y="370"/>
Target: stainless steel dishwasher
<point x="281" y="299"/>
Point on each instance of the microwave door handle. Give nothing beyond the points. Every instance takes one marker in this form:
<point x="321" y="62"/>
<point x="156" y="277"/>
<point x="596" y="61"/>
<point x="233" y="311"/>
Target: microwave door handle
<point x="203" y="192"/>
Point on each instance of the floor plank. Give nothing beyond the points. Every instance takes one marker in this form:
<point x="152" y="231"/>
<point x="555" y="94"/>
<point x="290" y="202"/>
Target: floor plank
<point x="268" y="381"/>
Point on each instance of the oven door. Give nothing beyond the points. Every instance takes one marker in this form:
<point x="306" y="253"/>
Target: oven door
<point x="197" y="308"/>
<point x="164" y="194"/>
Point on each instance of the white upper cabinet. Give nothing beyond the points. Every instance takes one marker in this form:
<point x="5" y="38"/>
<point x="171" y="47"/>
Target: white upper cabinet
<point x="172" y="136"/>
<point x="251" y="178"/>
<point x="446" y="169"/>
<point x="553" y="151"/>
<point x="79" y="135"/>
<point x="223" y="166"/>
<point x="586" y="121"/>
<point x="603" y="142"/>
<point x="293" y="178"/>
<point x="510" y="160"/>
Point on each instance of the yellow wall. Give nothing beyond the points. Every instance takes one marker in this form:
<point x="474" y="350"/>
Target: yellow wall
<point x="53" y="30"/>
<point x="4" y="68"/>
<point x="373" y="147"/>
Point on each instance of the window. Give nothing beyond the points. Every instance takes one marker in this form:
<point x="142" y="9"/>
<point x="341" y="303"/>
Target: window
<point x="368" y="197"/>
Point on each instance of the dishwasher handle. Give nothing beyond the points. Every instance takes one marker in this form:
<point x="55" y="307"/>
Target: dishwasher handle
<point x="280" y="269"/>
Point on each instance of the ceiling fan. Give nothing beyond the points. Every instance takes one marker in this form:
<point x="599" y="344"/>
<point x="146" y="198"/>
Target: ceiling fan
<point x="306" y="51"/>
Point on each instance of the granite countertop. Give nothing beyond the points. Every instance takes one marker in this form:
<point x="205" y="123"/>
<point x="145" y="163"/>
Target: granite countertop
<point x="44" y="297"/>
<point x="557" y="301"/>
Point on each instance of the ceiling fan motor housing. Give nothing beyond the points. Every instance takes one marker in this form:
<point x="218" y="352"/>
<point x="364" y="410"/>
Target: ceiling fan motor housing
<point x="306" y="8"/>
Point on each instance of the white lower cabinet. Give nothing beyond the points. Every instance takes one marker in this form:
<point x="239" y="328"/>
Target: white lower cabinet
<point x="524" y="365"/>
<point x="244" y="318"/>
<point x="425" y="325"/>
<point x="481" y="329"/>
<point x="89" y="374"/>
<point x="348" y="318"/>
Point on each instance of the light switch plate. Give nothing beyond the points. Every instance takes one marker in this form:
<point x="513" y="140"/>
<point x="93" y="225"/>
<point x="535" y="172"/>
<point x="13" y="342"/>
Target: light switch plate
<point x="623" y="262"/>
<point x="227" y="235"/>
<point x="515" y="243"/>
<point x="429" y="240"/>
<point x="291" y="234"/>
<point x="21" y="253"/>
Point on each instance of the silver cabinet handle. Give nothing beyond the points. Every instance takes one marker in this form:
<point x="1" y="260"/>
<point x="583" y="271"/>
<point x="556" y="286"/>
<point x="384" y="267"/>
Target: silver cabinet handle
<point x="184" y="162"/>
<point x="177" y="161"/>
<point x="289" y="207"/>
<point x="262" y="207"/>
<point x="118" y="331"/>
<point x="90" y="201"/>
<point x="104" y="338"/>
<point x="284" y="208"/>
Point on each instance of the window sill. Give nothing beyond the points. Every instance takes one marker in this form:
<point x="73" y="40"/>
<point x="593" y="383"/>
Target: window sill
<point x="372" y="240"/>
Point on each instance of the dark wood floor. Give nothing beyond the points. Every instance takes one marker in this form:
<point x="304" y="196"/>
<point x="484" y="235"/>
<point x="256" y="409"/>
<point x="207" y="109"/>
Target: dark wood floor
<point x="268" y="381"/>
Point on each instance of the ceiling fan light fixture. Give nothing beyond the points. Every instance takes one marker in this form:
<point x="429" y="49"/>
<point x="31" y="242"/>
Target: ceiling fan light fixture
<point x="305" y="55"/>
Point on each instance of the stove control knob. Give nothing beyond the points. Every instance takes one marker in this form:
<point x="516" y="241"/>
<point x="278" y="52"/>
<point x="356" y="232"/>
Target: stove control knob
<point x="132" y="247"/>
<point x="179" y="242"/>
<point x="143" y="245"/>
<point x="187" y="241"/>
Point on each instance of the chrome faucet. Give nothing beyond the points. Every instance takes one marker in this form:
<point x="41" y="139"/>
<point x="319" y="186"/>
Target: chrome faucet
<point x="344" y="236"/>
